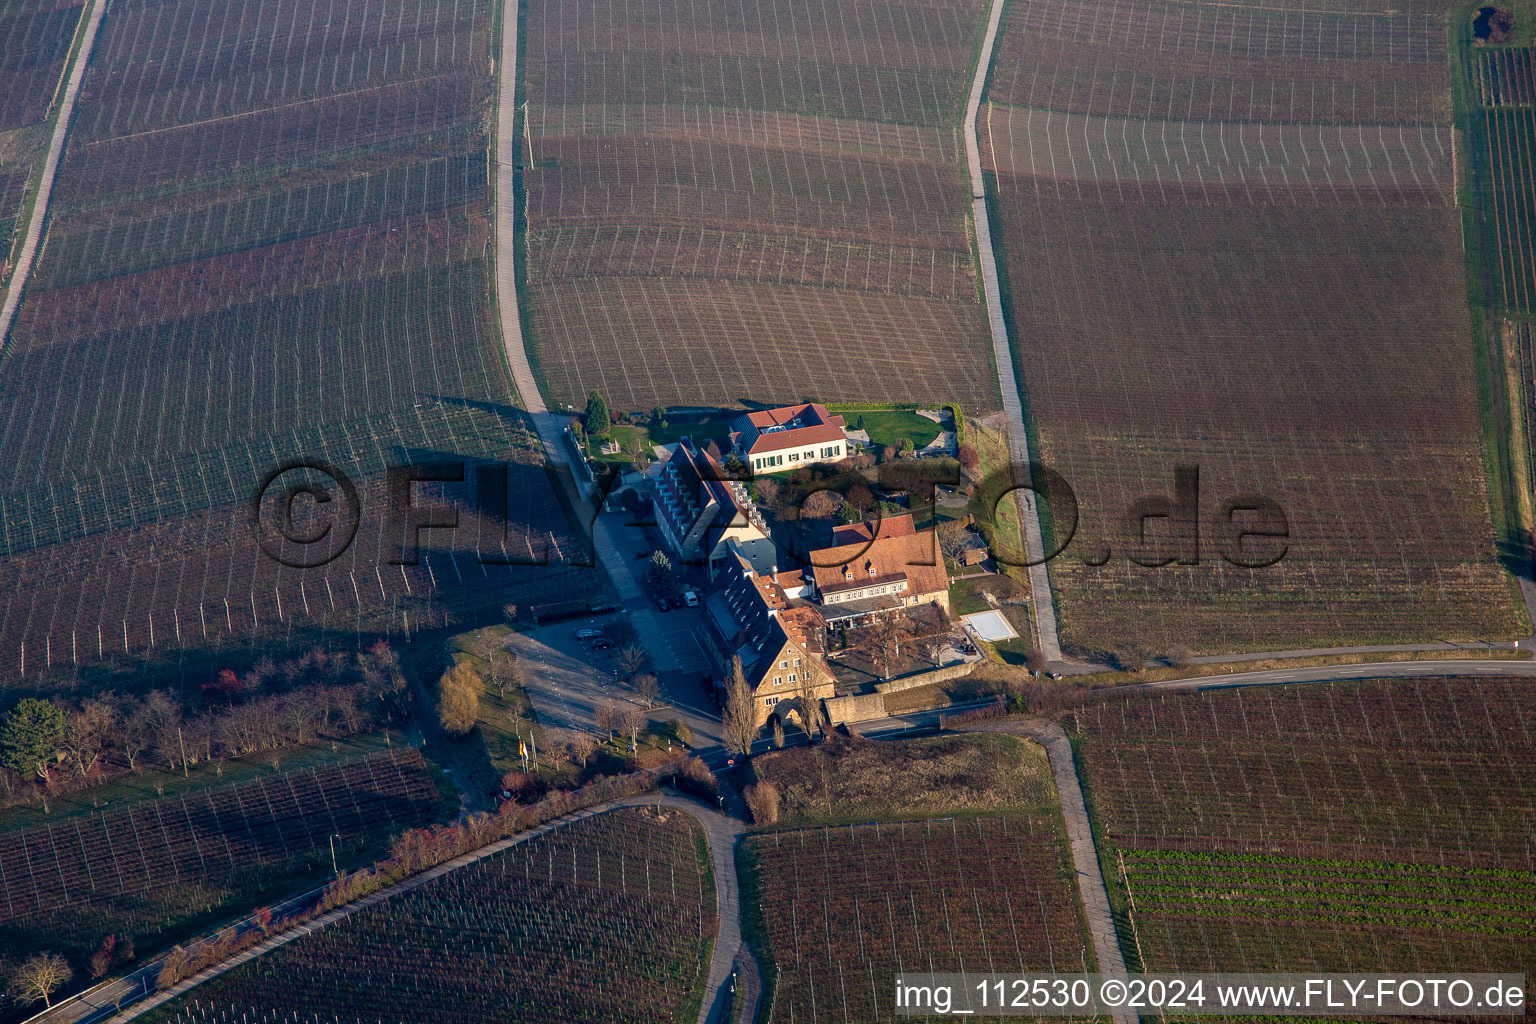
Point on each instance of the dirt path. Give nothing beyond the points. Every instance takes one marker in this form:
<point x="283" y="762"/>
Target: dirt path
<point x="39" y="219"/>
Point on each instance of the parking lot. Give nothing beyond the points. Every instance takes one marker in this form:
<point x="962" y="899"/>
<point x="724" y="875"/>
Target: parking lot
<point x="566" y="679"/>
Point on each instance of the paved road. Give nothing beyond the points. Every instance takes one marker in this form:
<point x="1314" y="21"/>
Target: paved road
<point x="723" y="834"/>
<point x="506" y="246"/>
<point x="34" y="238"/>
<point x="1002" y="353"/>
<point x="1085" y="857"/>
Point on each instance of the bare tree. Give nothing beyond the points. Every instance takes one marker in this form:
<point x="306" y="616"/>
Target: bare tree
<point x="808" y="708"/>
<point x="740" y="723"/>
<point x="458" y="699"/>
<point x="1131" y="659"/>
<point x="606" y="717"/>
<point x="1035" y="661"/>
<point x="952" y="541"/>
<point x="582" y="744"/>
<point x="631" y="658"/>
<point x="633" y="720"/>
<point x="778" y="734"/>
<point x="86" y="734"/>
<point x="763" y="801"/>
<point x="1181" y="656"/>
<point x="890" y="630"/>
<point x="40" y="977"/>
<point x="504" y="672"/>
<point x="647" y="688"/>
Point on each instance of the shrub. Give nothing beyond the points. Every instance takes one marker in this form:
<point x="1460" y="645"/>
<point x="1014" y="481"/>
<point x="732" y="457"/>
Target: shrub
<point x="763" y="801"/>
<point x="693" y="776"/>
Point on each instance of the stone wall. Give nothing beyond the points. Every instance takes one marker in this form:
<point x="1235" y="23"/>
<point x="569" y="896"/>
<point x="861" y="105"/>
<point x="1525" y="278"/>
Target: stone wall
<point x="860" y="708"/>
<point x="933" y="675"/>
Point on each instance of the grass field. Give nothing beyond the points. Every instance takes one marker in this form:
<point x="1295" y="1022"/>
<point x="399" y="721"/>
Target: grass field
<point x="889" y="426"/>
<point x="611" y="918"/>
<point x="1229" y="233"/>
<point x="834" y="912"/>
<point x="763" y="204"/>
<point x="1344" y="827"/>
<point x="850" y="780"/>
<point x="159" y="869"/>
<point x="282" y="256"/>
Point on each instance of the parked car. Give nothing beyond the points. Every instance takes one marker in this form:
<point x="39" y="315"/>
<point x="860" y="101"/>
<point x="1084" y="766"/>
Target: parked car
<point x="588" y="635"/>
<point x="602" y="643"/>
<point x="661" y="603"/>
<point x="690" y="599"/>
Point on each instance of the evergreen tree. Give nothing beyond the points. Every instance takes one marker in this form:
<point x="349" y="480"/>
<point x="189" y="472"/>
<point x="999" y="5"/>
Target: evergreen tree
<point x="597" y="419"/>
<point x="30" y="735"/>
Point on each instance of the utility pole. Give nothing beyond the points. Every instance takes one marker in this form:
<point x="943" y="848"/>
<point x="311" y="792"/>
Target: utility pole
<point x="528" y="132"/>
<point x="334" y="868"/>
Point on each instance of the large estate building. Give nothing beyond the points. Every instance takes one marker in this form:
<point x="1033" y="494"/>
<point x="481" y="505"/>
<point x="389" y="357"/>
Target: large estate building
<point x="871" y="567"/>
<point x="698" y="511"/>
<point x="788" y="438"/>
<point x="755" y="618"/>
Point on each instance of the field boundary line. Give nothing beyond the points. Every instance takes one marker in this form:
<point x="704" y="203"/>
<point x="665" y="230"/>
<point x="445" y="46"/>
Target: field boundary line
<point x="262" y="110"/>
<point x="33" y="241"/>
<point x="1002" y="351"/>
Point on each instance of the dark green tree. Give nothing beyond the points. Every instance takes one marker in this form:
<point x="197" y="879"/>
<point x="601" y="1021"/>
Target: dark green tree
<point x="597" y="419"/>
<point x="30" y="735"/>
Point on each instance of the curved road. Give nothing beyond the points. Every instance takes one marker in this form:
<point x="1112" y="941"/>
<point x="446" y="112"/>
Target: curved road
<point x="102" y="1002"/>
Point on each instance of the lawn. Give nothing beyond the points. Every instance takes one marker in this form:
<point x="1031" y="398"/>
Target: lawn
<point x="641" y="437"/>
<point x="965" y="597"/>
<point x="889" y="426"/>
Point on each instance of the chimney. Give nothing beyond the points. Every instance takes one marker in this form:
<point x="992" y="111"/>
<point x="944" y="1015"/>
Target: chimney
<point x="775" y="573"/>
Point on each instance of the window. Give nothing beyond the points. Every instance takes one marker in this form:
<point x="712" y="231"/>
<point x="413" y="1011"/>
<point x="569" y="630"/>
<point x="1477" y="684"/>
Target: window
<point x="792" y="677"/>
<point x="797" y="662"/>
<point x="784" y="664"/>
<point x="771" y="701"/>
<point x="810" y="454"/>
<point x="794" y="456"/>
<point x="757" y="463"/>
<point x="779" y="680"/>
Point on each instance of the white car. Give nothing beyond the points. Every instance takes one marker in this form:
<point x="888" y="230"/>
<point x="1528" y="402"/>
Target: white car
<point x="690" y="599"/>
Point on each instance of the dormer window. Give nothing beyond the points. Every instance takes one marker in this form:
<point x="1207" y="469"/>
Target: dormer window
<point x="871" y="570"/>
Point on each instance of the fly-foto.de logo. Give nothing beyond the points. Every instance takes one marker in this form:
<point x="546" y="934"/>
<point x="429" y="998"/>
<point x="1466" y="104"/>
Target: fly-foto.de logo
<point x="306" y="513"/>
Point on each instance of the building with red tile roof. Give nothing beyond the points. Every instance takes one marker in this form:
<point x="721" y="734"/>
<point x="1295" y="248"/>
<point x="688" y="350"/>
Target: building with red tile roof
<point x="877" y="566"/>
<point x="788" y="438"/>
